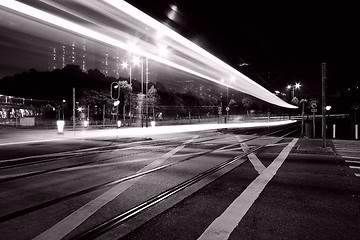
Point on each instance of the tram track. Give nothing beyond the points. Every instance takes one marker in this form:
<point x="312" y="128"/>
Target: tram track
<point x="87" y="152"/>
<point x="105" y="226"/>
<point x="105" y="185"/>
<point x="113" y="222"/>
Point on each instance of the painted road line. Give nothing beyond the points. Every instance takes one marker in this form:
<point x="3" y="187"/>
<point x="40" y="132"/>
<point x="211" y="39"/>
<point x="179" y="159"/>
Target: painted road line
<point x="351" y="161"/>
<point x="226" y="148"/>
<point x="276" y="144"/>
<point x="69" y="223"/>
<point x="355" y="167"/>
<point x="352" y="157"/>
<point x="259" y="167"/>
<point x="32" y="141"/>
<point x="222" y="227"/>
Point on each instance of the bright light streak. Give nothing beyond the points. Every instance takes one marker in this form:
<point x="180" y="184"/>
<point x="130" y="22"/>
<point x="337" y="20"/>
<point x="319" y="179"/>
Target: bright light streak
<point x="131" y="47"/>
<point x="187" y="56"/>
<point x="198" y="127"/>
<point x="163" y="50"/>
<point x="60" y="22"/>
<point x="252" y="87"/>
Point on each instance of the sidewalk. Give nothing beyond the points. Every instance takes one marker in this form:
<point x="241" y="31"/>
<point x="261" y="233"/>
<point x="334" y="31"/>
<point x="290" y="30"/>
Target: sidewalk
<point x="314" y="146"/>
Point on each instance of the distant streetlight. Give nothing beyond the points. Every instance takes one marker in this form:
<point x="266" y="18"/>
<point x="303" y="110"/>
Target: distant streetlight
<point x="293" y="88"/>
<point x="134" y="61"/>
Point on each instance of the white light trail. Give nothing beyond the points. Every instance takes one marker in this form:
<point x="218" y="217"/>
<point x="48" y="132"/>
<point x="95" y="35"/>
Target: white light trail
<point x="70" y="26"/>
<point x="181" y="54"/>
<point x="252" y="87"/>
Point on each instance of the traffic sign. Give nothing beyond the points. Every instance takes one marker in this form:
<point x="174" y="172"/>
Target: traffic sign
<point x="313" y="105"/>
<point x="314" y="102"/>
<point x="313" y="110"/>
<point x="227" y="109"/>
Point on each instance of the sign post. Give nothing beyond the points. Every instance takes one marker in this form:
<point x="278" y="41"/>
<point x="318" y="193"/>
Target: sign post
<point x="313" y="105"/>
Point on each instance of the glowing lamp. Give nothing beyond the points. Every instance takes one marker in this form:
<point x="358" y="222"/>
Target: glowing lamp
<point x="60" y="125"/>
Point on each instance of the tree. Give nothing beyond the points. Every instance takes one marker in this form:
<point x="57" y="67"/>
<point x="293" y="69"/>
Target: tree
<point x="246" y="102"/>
<point x="152" y="99"/>
<point x="97" y="98"/>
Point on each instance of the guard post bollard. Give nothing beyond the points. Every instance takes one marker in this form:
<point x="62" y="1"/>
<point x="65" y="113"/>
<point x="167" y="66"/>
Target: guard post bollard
<point x="334" y="130"/>
<point x="60" y="125"/>
<point x="356" y="131"/>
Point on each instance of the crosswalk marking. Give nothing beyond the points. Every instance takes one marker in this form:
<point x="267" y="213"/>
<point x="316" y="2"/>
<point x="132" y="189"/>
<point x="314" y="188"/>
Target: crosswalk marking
<point x="259" y="167"/>
<point x="349" y="150"/>
<point x="223" y="226"/>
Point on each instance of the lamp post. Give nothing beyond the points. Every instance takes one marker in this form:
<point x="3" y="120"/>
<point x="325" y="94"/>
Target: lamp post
<point x="293" y="88"/>
<point x="126" y="65"/>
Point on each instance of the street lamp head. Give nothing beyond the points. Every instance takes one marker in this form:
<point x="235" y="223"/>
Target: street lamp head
<point x="124" y="65"/>
<point x="288" y="86"/>
<point x="297" y="85"/>
<point x="136" y="60"/>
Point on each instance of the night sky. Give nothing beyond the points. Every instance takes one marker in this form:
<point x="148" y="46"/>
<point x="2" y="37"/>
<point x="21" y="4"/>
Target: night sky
<point x="283" y="42"/>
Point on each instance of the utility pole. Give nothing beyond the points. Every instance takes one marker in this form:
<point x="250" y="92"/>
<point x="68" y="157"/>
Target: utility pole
<point x="146" y="89"/>
<point x="74" y="113"/>
<point x="323" y="105"/>
<point x="142" y="92"/>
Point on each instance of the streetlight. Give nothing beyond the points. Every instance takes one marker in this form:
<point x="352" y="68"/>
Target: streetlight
<point x="292" y="88"/>
<point x="134" y="61"/>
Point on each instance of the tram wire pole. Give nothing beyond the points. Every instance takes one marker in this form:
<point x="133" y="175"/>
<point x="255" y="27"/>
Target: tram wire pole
<point x="323" y="105"/>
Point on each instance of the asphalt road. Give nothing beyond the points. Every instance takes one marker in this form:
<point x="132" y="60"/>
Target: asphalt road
<point x="291" y="189"/>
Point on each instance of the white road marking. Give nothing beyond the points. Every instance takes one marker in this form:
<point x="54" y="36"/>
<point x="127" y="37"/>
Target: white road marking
<point x="67" y="153"/>
<point x="357" y="174"/>
<point x="276" y="144"/>
<point x="259" y="167"/>
<point x="352" y="157"/>
<point x="17" y="175"/>
<point x="68" y="224"/>
<point x="32" y="141"/>
<point x="226" y="148"/>
<point x="222" y="227"/>
<point x="356" y="167"/>
<point x="350" y="161"/>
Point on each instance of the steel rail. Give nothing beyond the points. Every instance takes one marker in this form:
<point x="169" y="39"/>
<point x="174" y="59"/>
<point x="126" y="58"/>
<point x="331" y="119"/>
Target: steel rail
<point x="40" y="206"/>
<point x="123" y="217"/>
